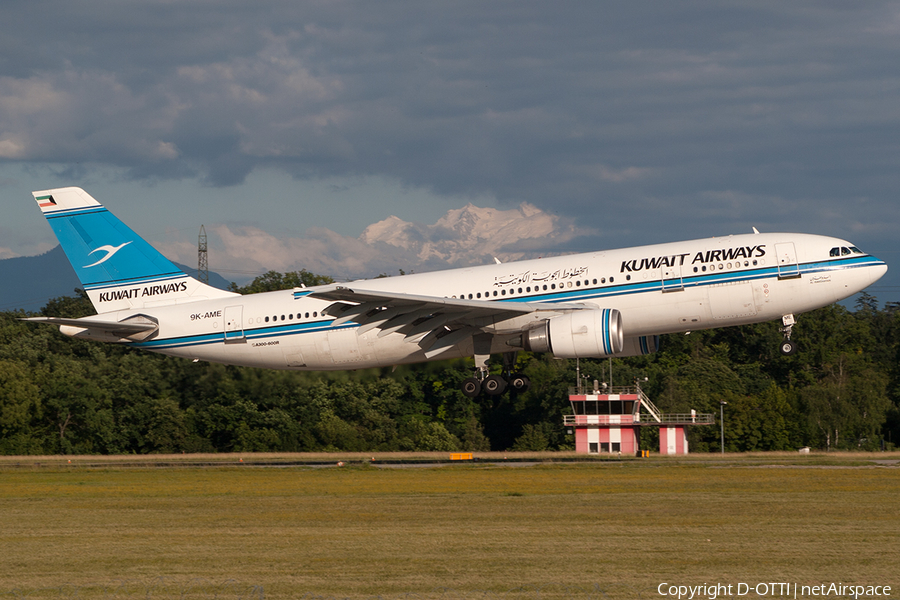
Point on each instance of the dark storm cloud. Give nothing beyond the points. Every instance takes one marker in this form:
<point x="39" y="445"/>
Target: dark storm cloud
<point x="629" y="116"/>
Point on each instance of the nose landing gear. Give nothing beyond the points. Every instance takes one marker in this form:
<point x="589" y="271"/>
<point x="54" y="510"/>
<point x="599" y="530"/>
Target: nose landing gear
<point x="787" y="346"/>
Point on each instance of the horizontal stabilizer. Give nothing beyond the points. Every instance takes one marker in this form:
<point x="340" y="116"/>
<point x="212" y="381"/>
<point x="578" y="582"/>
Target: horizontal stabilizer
<point x="136" y="328"/>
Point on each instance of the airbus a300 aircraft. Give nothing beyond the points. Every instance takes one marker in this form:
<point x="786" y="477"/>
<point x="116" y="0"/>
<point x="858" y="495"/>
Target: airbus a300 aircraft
<point x="607" y="303"/>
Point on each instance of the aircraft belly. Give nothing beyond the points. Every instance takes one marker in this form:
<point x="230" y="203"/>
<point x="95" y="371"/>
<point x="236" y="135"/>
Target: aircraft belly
<point x="229" y="354"/>
<point x="344" y="349"/>
<point x="393" y="349"/>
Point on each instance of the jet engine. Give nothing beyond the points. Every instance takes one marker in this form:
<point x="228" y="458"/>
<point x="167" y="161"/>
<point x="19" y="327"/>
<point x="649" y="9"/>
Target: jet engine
<point x="640" y="346"/>
<point x="578" y="334"/>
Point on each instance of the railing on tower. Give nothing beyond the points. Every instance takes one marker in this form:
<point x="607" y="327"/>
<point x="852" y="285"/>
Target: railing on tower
<point x="651" y="414"/>
<point x="664" y="419"/>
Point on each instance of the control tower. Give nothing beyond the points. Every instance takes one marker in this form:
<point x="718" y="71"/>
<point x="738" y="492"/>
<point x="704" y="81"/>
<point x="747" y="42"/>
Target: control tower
<point x="609" y="419"/>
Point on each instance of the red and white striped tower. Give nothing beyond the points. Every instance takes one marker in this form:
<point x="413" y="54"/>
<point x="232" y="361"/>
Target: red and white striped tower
<point x="610" y="421"/>
<point x="605" y="423"/>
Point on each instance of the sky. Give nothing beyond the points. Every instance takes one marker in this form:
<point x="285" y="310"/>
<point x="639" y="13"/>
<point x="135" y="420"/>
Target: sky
<point x="287" y="128"/>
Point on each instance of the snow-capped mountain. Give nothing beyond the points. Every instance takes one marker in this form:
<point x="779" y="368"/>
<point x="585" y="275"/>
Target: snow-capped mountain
<point x="470" y="234"/>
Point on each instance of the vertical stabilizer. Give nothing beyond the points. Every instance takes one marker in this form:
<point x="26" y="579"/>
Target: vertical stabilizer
<point x="118" y="269"/>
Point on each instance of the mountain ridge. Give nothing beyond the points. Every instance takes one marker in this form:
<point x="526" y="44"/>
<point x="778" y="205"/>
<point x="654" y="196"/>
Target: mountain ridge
<point x="33" y="280"/>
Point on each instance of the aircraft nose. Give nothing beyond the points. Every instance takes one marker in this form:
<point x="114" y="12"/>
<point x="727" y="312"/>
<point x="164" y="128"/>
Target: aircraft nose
<point x="880" y="270"/>
<point x="876" y="271"/>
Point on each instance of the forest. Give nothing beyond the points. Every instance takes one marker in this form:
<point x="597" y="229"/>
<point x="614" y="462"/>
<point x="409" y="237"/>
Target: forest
<point x="59" y="395"/>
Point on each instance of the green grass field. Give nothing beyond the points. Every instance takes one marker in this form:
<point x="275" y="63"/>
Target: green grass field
<point x="117" y="527"/>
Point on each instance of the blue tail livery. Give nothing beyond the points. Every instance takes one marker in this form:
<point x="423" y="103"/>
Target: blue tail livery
<point x="118" y="269"/>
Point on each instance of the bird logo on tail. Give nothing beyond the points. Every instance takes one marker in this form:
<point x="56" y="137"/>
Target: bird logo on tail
<point x="110" y="251"/>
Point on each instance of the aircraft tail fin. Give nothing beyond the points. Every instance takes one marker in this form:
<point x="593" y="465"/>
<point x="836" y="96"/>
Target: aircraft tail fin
<point x="118" y="269"/>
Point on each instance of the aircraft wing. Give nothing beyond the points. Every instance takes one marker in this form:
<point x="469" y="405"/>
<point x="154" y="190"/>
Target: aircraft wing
<point x="434" y="323"/>
<point x="136" y="328"/>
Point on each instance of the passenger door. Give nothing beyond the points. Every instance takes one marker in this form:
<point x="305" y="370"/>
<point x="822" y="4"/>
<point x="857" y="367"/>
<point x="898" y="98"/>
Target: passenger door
<point x="786" y="254"/>
<point x="234" y="325"/>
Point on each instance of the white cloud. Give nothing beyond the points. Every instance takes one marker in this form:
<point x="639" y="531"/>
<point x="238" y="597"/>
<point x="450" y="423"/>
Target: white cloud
<point x="466" y="236"/>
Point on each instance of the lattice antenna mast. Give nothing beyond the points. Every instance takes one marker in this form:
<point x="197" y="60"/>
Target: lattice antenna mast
<point x="202" y="264"/>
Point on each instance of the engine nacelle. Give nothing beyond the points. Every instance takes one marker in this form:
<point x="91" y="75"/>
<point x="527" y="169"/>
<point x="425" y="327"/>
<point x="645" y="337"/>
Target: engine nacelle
<point x="578" y="334"/>
<point x="640" y="346"/>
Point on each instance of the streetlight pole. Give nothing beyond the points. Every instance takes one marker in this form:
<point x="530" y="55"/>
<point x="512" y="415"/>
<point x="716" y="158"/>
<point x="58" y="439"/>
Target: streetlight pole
<point x="722" y="404"/>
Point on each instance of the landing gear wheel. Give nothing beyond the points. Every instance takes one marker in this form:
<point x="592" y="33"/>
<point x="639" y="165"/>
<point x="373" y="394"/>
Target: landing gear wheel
<point x="470" y="387"/>
<point x="519" y="383"/>
<point x="493" y="385"/>
<point x="788" y="347"/>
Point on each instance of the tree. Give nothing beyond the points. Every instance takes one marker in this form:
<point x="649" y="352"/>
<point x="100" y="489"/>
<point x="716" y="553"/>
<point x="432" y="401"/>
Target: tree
<point x="67" y="395"/>
<point x="416" y="434"/>
<point x="72" y="307"/>
<point x="273" y="281"/>
<point x="20" y="408"/>
<point x="532" y="439"/>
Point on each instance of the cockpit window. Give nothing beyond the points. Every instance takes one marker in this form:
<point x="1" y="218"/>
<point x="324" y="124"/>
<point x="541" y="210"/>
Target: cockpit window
<point x="844" y="251"/>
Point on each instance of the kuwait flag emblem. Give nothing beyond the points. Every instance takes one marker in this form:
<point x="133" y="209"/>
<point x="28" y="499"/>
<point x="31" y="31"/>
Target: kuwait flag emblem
<point x="45" y="201"/>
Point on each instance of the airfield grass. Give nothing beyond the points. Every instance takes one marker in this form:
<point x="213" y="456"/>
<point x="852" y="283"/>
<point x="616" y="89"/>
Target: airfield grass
<point x="612" y="529"/>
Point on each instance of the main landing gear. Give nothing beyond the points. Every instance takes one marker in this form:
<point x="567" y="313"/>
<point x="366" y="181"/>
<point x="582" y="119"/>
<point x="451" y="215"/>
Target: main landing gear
<point x="787" y="346"/>
<point x="494" y="385"/>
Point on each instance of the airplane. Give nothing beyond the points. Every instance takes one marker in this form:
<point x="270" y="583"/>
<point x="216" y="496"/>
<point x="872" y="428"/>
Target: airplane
<point x="597" y="304"/>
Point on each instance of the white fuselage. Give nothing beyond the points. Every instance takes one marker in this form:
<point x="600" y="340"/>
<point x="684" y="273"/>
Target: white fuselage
<point x="658" y="289"/>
